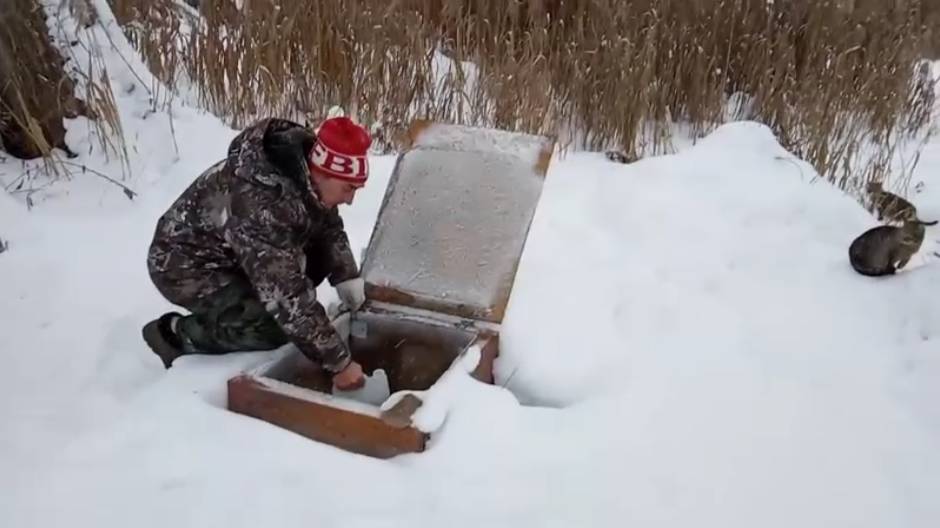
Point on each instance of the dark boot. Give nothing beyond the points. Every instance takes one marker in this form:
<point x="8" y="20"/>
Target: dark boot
<point x="161" y="338"/>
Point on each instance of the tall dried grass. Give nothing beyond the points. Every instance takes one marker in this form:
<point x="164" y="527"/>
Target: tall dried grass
<point x="33" y="88"/>
<point x="836" y="80"/>
<point x="40" y="85"/>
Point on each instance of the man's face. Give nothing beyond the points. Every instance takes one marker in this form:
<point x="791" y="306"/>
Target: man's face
<point x="333" y="191"/>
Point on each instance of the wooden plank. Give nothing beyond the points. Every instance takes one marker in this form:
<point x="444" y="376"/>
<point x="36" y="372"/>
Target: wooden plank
<point x="352" y="431"/>
<point x="489" y="351"/>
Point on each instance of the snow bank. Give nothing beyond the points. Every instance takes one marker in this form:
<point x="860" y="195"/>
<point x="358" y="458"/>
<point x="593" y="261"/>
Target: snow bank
<point x="674" y="251"/>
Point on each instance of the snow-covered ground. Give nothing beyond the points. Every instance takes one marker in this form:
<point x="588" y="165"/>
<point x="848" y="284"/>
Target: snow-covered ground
<point x="686" y="345"/>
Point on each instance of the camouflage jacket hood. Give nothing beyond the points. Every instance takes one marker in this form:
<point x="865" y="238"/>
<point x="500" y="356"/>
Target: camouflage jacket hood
<point x="255" y="214"/>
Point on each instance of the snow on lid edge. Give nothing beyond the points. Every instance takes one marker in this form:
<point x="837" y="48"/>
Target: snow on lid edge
<point x="524" y="146"/>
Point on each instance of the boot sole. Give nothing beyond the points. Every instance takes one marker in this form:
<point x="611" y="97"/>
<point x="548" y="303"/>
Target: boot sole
<point x="163" y="350"/>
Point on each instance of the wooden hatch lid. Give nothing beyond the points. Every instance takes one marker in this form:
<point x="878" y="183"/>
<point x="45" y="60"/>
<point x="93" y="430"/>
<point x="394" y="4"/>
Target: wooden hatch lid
<point x="454" y="219"/>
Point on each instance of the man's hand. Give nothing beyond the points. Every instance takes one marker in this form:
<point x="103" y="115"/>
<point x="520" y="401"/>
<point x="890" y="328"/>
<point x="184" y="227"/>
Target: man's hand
<point x="350" y="378"/>
<point x="352" y="292"/>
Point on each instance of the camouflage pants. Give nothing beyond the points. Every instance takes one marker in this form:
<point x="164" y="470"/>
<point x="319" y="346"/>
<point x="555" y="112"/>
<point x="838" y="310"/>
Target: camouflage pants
<point x="232" y="319"/>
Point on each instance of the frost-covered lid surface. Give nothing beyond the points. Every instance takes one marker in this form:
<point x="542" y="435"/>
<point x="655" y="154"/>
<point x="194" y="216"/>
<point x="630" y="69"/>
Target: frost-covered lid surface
<point x="455" y="217"/>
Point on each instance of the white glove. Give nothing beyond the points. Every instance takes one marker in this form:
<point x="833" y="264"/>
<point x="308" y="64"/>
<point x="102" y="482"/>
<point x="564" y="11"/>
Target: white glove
<point x="352" y="293"/>
<point x="334" y="308"/>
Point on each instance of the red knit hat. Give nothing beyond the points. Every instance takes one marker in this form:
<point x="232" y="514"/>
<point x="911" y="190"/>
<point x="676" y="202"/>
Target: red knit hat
<point x="341" y="151"/>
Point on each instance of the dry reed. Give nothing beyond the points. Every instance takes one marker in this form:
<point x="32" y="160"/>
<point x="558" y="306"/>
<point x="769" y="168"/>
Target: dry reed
<point x="836" y="80"/>
<point x="40" y="85"/>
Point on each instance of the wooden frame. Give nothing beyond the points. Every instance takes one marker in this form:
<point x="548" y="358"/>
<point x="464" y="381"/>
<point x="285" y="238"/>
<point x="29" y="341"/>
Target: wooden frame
<point x="300" y="403"/>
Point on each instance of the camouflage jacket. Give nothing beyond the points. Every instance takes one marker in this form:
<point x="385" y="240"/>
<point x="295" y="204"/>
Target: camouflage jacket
<point x="255" y="214"/>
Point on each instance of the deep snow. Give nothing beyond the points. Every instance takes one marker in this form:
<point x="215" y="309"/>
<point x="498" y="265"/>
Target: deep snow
<point x="686" y="345"/>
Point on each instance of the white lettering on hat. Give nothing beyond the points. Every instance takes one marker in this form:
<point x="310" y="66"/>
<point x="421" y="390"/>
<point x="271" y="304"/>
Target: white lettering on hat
<point x="337" y="163"/>
<point x="318" y="156"/>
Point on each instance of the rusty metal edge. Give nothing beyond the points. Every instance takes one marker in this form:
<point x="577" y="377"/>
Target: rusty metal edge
<point x="390" y="295"/>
